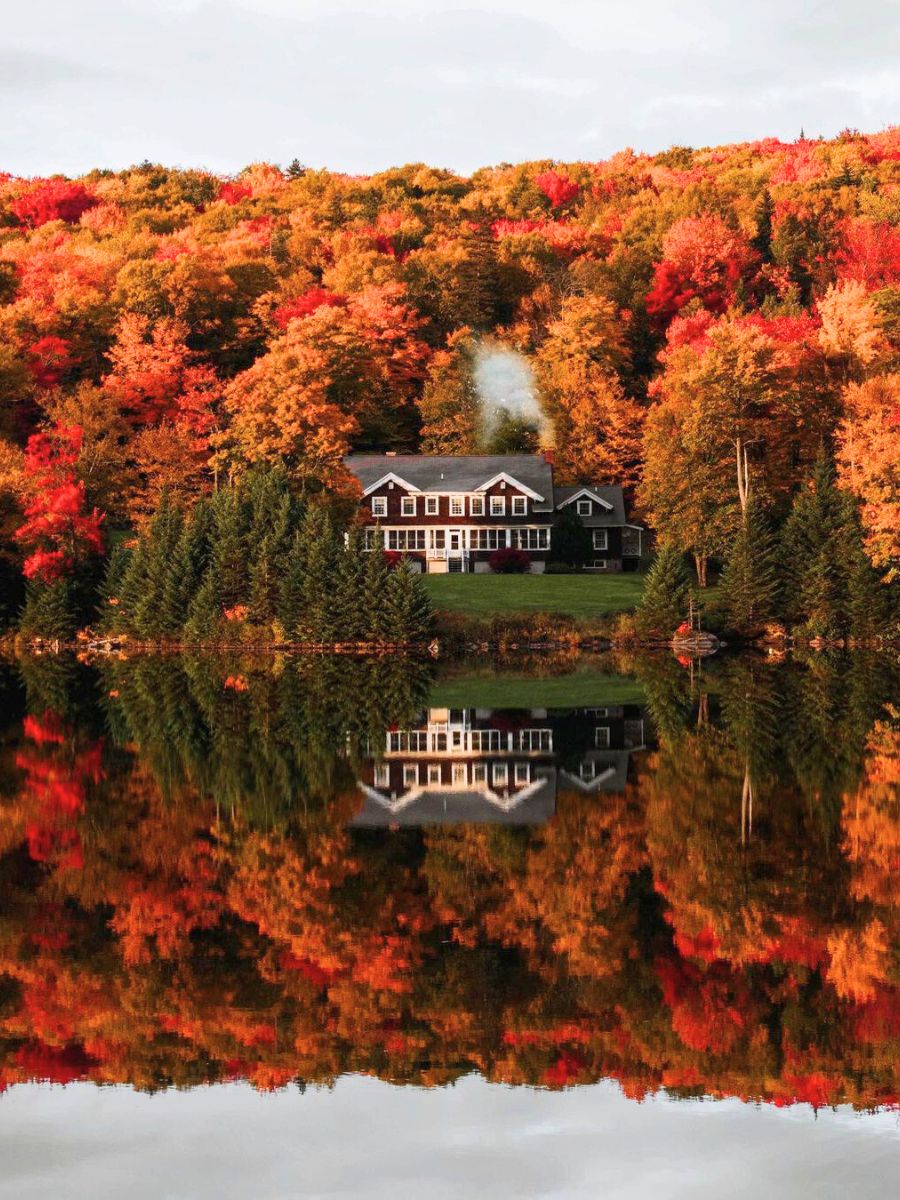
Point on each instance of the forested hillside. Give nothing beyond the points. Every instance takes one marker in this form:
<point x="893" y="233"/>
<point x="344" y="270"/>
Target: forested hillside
<point x="162" y="329"/>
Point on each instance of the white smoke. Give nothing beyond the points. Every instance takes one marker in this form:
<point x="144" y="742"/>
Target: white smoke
<point x="505" y="383"/>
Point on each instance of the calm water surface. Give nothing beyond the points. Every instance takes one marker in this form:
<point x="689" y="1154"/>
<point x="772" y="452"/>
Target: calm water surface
<point x="279" y="928"/>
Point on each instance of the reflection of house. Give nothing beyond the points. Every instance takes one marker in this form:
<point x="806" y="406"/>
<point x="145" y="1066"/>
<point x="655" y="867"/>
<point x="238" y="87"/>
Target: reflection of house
<point x="496" y="766"/>
<point x="452" y="513"/>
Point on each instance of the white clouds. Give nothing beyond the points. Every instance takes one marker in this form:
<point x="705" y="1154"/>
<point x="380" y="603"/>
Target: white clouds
<point x="365" y="84"/>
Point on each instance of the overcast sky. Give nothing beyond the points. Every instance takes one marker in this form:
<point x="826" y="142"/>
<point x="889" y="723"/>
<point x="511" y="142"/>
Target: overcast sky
<point x="366" y="1140"/>
<point x="359" y="85"/>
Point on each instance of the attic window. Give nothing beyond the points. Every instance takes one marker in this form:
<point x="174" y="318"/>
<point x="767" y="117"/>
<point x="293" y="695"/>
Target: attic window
<point x="585" y="508"/>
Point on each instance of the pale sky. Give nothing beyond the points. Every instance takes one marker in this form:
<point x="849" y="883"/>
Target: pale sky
<point x="367" y="1140"/>
<point x="360" y="85"/>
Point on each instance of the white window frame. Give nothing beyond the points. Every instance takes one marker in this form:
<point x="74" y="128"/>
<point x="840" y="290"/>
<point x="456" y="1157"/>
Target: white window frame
<point x="459" y="773"/>
<point x="584" y="508"/>
<point x="498" y="506"/>
<point x="601" y="737"/>
<point x="379" y="506"/>
<point x="479" y="773"/>
<point x="457" y="506"/>
<point x="434" y="773"/>
<point x="522" y="773"/>
<point x="500" y="774"/>
<point x="432" y="505"/>
<point x="520" y="506"/>
<point x="408" y="506"/>
<point x="476" y="506"/>
<point x="600" y="564"/>
<point x="382" y="775"/>
<point x="410" y="774"/>
<point x="601" y="539"/>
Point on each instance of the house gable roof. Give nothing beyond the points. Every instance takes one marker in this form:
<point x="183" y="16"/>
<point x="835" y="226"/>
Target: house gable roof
<point x="611" y="499"/>
<point x="584" y="491"/>
<point x="446" y="474"/>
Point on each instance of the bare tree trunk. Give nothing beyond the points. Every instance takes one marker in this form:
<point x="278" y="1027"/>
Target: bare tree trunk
<point x="701" y="562"/>
<point x="746" y="807"/>
<point x="743" y="473"/>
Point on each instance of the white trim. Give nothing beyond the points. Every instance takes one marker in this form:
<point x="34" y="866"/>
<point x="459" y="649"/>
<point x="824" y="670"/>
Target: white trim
<point x="405" y="500"/>
<point x="429" y="501"/>
<point x="604" y="545"/>
<point x="523" y="500"/>
<point x="390" y="478"/>
<point x="380" y="500"/>
<point x="591" y="495"/>
<point x="461" y="497"/>
<point x="497" y="507"/>
<point x="504" y="478"/>
<point x="473" y="500"/>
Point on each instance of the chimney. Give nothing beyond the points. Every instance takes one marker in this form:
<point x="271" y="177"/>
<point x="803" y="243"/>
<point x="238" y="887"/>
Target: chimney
<point x="549" y="457"/>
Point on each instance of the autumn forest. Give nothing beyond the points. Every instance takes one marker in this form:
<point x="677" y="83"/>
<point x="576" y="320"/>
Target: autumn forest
<point x="165" y="332"/>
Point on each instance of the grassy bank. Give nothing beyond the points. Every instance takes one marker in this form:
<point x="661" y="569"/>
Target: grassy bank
<point x="581" y="689"/>
<point x="583" y="597"/>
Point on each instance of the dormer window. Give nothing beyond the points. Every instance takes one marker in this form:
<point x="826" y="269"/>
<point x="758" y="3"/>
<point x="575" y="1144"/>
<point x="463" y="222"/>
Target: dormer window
<point x="519" y="506"/>
<point x="585" y="508"/>
<point x="476" y="506"/>
<point x="431" y="506"/>
<point x="498" y="506"/>
<point x="379" y="506"/>
<point x="408" y="506"/>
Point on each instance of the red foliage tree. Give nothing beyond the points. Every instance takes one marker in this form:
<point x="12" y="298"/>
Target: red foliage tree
<point x="558" y="189"/>
<point x="49" y="360"/>
<point x="303" y="306"/>
<point x="52" y="200"/>
<point x="57" y="529"/>
<point x="702" y="259"/>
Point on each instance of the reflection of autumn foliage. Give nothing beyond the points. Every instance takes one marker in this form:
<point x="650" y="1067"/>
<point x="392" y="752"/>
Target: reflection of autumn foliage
<point x="635" y="936"/>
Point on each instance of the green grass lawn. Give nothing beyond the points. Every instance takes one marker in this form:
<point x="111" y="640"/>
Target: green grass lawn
<point x="580" y="689"/>
<point x="582" y="596"/>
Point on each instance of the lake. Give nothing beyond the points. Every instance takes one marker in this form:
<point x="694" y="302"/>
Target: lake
<point x="620" y="926"/>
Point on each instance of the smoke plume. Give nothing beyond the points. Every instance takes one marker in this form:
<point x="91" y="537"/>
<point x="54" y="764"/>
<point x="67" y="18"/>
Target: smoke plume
<point x="505" y="384"/>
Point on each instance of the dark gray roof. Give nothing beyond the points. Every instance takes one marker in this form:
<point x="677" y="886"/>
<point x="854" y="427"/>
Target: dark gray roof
<point x="463" y="473"/>
<point x="609" y="517"/>
<point x="463" y="807"/>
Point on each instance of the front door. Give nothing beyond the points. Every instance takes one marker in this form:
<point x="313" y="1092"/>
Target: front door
<point x="455" y="536"/>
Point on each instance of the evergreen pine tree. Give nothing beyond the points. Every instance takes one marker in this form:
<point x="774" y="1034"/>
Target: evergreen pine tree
<point x="131" y="587"/>
<point x="570" y="542"/>
<point x="375" y="584"/>
<point x="189" y="563"/>
<point x="49" y="610"/>
<point x="321" y="549"/>
<point x="749" y="583"/>
<point x="348" y="614"/>
<point x="161" y="540"/>
<point x="292" y="587"/>
<point x="814" y="555"/>
<point x="117" y="567"/>
<point x="664" y="602"/>
<point x="408" y="613"/>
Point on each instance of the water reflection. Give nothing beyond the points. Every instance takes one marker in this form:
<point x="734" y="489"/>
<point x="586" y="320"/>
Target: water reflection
<point x="287" y="871"/>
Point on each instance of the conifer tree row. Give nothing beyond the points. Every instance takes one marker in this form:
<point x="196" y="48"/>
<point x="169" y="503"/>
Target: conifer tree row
<point x="252" y="562"/>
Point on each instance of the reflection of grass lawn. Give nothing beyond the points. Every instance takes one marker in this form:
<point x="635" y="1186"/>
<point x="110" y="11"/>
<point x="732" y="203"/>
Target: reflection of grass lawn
<point x="583" y="596"/>
<point x="584" y="689"/>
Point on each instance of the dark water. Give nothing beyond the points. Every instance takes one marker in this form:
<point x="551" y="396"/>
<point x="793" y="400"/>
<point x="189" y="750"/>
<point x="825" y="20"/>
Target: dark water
<point x="597" y="883"/>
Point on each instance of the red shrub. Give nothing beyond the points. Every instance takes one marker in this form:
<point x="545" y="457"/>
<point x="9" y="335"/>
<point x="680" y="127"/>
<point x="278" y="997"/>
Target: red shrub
<point x="509" y="561"/>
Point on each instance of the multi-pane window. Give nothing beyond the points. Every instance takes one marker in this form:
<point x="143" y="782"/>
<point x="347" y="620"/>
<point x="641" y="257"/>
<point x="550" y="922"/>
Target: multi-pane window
<point x="434" y="772"/>
<point x="408" y="506"/>
<point x="382" y="775"/>
<point x="534" y="539"/>
<point x="519" y="506"/>
<point x="601" y="737"/>
<point x="585" y="508"/>
<point x="431" y="506"/>
<point x="536" y="739"/>
<point x="379" y="506"/>
<point x="500" y="774"/>
<point x="401" y="741"/>
<point x="523" y="773"/>
<point x="457" y="506"/>
<point x="410" y="774"/>
<point x="476" y="506"/>
<point x="488" y="539"/>
<point x="600" y="564"/>
<point x="405" y="539"/>
<point x="460" y="775"/>
<point x="479" y="772"/>
<point x="601" y="538"/>
<point x="498" y="506"/>
<point x="487" y="739"/>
